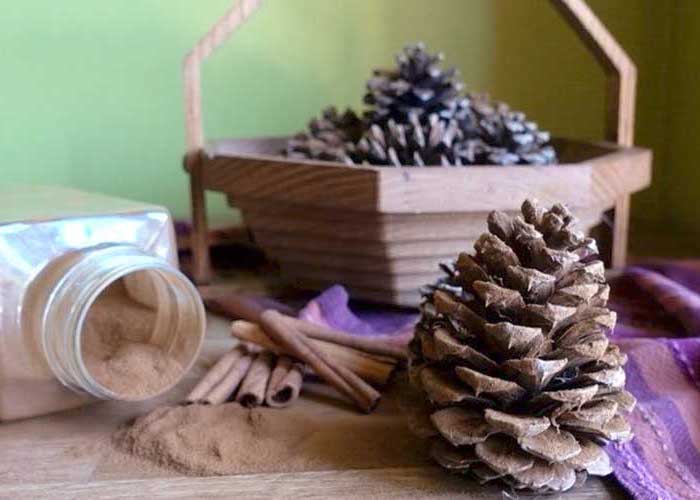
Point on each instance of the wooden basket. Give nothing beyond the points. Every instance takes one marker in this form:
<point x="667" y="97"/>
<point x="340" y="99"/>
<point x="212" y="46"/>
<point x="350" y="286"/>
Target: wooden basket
<point x="382" y="231"/>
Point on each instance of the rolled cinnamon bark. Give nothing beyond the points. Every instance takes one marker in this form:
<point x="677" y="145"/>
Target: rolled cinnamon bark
<point x="236" y="306"/>
<point x="345" y="381"/>
<point x="370" y="367"/>
<point x="251" y="393"/>
<point x="247" y="308"/>
<point x="285" y="383"/>
<point x="215" y="374"/>
<point x="367" y="344"/>
<point x="228" y="385"/>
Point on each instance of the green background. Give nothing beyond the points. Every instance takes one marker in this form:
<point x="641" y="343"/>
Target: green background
<point x="91" y="96"/>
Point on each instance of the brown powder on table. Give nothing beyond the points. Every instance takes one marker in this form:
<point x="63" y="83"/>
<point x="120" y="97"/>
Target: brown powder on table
<point x="117" y="350"/>
<point x="230" y="439"/>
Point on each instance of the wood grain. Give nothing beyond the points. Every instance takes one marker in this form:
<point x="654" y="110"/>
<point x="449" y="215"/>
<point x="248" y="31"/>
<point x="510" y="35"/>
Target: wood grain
<point x="63" y="456"/>
<point x="199" y="243"/>
<point x="414" y="482"/>
<point x="266" y="178"/>
<point x="390" y="228"/>
<point x="361" y="248"/>
<point x="403" y="282"/>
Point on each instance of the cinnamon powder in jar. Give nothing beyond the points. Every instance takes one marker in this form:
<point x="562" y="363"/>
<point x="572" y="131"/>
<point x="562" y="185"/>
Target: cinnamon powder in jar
<point x="119" y="350"/>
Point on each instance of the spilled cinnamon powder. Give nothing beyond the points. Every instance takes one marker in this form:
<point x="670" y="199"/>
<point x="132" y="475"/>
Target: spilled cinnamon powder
<point x="230" y="439"/>
<point x="118" y="349"/>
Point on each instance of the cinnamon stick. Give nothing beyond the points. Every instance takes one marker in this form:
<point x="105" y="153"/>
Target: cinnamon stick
<point x="371" y="368"/>
<point x="236" y="306"/>
<point x="345" y="381"/>
<point x="239" y="306"/>
<point x="215" y="374"/>
<point x="228" y="385"/>
<point x="367" y="344"/>
<point x="285" y="383"/>
<point x="252" y="390"/>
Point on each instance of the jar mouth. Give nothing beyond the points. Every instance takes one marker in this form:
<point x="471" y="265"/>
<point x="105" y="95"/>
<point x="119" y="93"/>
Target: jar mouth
<point x="131" y="332"/>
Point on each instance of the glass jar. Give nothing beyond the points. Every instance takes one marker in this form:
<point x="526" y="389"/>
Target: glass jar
<point x="63" y="253"/>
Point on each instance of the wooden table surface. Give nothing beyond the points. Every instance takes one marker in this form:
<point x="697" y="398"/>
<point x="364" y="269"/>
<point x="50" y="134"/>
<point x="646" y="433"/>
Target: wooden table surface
<point x="64" y="456"/>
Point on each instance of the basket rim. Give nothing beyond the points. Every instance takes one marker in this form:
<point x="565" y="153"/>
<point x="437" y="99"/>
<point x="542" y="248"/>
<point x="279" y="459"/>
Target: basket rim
<point x="223" y="148"/>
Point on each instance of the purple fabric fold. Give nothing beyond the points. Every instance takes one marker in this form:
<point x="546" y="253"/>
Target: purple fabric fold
<point x="658" y="308"/>
<point x="332" y="308"/>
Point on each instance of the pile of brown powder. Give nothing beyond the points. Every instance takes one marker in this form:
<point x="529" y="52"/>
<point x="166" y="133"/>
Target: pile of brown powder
<point x="117" y="350"/>
<point x="230" y="439"/>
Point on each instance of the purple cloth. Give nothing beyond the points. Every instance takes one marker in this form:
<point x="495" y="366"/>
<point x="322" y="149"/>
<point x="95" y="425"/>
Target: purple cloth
<point x="332" y="309"/>
<point x="658" y="308"/>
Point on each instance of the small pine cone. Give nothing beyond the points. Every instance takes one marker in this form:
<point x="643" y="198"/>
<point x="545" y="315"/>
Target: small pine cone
<point x="327" y="137"/>
<point x="418" y="87"/>
<point x="438" y="142"/>
<point x="512" y="139"/>
<point x="513" y="356"/>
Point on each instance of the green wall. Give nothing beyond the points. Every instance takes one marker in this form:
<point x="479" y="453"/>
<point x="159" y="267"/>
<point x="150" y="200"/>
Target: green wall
<point x="680" y="178"/>
<point x="90" y="91"/>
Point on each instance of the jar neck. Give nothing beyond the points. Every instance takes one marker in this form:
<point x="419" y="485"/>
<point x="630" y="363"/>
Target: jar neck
<point x="83" y="278"/>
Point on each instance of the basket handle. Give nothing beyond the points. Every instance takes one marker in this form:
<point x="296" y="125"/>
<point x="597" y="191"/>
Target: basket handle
<point x="620" y="102"/>
<point x="619" y="68"/>
<point x="191" y="69"/>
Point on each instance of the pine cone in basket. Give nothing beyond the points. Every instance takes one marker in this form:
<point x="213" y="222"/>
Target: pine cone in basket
<point x="418" y="87"/>
<point x="513" y="356"/>
<point x="511" y="138"/>
<point x="327" y="137"/>
<point x="417" y="115"/>
<point x="437" y="142"/>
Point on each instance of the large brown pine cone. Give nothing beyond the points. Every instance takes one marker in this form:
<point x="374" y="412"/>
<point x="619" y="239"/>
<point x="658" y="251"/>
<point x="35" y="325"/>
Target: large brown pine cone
<point x="513" y="356"/>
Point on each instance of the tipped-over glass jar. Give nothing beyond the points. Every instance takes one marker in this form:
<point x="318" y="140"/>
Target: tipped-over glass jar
<point x="92" y="305"/>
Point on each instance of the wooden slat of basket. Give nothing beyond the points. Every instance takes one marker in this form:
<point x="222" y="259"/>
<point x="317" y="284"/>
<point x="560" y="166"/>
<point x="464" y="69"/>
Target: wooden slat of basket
<point x="468" y="227"/>
<point x="599" y="181"/>
<point x="363" y="262"/>
<point x="346" y="216"/>
<point x="291" y="257"/>
<point x="471" y="222"/>
<point x="250" y="177"/>
<point x="617" y="175"/>
<point x="448" y="248"/>
<point x="364" y="245"/>
<point x="360" y="278"/>
<point x="419" y="190"/>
